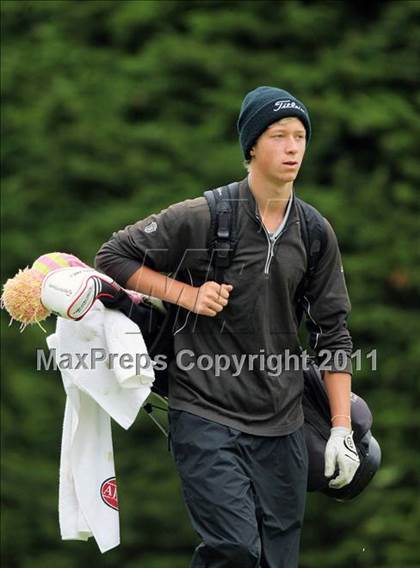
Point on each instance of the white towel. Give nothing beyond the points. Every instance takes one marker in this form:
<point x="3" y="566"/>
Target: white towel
<point x="110" y="388"/>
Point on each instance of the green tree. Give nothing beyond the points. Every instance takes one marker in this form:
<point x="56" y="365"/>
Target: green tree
<point x="112" y="110"/>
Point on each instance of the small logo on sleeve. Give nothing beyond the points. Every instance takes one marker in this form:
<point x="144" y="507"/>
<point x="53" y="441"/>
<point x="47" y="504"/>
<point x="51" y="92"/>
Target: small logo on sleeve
<point x="109" y="493"/>
<point x="151" y="227"/>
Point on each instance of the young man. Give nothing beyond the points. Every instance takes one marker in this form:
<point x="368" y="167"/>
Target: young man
<point x="236" y="428"/>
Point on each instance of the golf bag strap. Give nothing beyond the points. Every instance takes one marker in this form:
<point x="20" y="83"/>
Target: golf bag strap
<point x="223" y="205"/>
<point x="314" y="236"/>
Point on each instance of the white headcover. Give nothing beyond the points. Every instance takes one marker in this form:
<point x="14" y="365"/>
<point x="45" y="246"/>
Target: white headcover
<point x="71" y="292"/>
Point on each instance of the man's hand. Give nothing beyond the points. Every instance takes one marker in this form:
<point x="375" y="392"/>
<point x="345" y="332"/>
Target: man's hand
<point x="341" y="451"/>
<point x="207" y="300"/>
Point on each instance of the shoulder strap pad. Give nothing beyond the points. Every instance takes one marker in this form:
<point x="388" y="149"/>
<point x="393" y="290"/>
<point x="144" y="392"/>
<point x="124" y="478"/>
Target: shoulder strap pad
<point x="223" y="205"/>
<point x="314" y="236"/>
<point x="313" y="233"/>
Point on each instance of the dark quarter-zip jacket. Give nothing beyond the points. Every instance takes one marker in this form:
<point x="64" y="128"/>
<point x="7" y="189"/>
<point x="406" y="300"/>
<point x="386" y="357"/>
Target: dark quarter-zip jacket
<point x="258" y="327"/>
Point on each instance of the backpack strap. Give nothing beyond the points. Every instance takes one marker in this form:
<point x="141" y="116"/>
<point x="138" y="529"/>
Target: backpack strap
<point x="314" y="236"/>
<point x="223" y="205"/>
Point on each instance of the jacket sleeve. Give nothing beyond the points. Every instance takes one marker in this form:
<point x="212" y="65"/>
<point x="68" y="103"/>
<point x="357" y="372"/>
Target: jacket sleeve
<point x="327" y="306"/>
<point x="165" y="242"/>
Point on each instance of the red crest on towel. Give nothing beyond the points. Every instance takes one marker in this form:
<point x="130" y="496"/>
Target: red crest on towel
<point x="109" y="492"/>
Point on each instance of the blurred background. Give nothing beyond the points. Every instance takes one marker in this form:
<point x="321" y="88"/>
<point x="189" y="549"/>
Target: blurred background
<point x="112" y="110"/>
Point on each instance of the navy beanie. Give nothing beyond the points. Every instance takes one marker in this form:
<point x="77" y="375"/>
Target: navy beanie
<point x="263" y="106"/>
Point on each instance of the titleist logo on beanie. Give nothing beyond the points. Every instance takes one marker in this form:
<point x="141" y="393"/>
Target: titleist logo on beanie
<point x="279" y="105"/>
<point x="263" y="106"/>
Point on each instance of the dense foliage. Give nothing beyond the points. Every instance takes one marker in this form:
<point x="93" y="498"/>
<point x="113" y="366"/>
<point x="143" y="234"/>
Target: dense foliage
<point x="112" y="110"/>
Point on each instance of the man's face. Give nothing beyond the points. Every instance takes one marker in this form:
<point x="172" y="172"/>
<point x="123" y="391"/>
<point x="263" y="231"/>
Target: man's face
<point x="278" y="152"/>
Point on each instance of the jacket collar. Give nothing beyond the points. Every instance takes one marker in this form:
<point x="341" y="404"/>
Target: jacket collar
<point x="246" y="196"/>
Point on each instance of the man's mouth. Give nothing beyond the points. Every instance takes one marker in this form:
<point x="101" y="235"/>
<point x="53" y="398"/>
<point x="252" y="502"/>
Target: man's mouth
<point x="290" y="163"/>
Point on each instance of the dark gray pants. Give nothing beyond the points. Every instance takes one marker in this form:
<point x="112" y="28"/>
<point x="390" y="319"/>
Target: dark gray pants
<point x="245" y="494"/>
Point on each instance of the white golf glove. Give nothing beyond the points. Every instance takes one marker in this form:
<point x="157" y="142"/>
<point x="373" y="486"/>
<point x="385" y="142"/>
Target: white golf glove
<point x="341" y="451"/>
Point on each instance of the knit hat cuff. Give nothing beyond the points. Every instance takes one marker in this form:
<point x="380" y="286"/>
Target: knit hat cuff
<point x="293" y="106"/>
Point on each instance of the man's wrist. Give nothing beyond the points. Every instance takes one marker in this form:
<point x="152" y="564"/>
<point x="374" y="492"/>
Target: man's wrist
<point x="340" y="431"/>
<point x="343" y="420"/>
<point x="187" y="297"/>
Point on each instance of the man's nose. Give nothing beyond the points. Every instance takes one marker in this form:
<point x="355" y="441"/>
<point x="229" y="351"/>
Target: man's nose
<point x="291" y="146"/>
